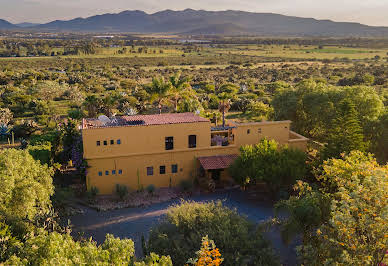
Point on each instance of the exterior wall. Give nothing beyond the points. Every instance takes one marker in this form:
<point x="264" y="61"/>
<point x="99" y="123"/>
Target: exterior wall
<point x="144" y="146"/>
<point x="136" y="166"/>
<point x="297" y="141"/>
<point x="142" y="139"/>
<point x="278" y="131"/>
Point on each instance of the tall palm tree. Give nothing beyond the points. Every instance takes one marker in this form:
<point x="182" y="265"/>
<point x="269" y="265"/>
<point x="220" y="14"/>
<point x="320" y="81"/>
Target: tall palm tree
<point x="225" y="93"/>
<point x="178" y="85"/>
<point x="92" y="104"/>
<point x="108" y="103"/>
<point x="159" y="91"/>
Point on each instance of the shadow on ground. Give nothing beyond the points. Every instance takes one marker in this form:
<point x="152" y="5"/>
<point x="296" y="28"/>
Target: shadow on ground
<point x="135" y="222"/>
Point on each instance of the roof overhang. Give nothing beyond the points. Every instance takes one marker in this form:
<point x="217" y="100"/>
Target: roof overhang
<point x="217" y="162"/>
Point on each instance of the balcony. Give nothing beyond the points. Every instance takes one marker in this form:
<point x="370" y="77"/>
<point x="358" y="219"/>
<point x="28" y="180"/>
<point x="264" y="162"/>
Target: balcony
<point x="222" y="136"/>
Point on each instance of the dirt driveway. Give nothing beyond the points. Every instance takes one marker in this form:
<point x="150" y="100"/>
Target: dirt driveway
<point x="135" y="222"/>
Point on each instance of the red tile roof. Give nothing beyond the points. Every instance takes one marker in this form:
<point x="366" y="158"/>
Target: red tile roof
<point x="217" y="162"/>
<point x="144" y="120"/>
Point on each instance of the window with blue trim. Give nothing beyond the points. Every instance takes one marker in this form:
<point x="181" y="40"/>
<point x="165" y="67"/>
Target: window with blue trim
<point x="120" y="172"/>
<point x="119" y="141"/>
<point x="106" y="172"/>
<point x="100" y="173"/>
<point x="113" y="172"/>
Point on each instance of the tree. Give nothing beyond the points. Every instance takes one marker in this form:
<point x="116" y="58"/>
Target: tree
<point x="60" y="249"/>
<point x="208" y="254"/>
<point x="344" y="222"/>
<point x="178" y="85"/>
<point x="25" y="185"/>
<point x="92" y="104"/>
<point x="347" y="134"/>
<point x="179" y="235"/>
<point x="225" y="93"/>
<point x="108" y="103"/>
<point x="278" y="167"/>
<point x="159" y="91"/>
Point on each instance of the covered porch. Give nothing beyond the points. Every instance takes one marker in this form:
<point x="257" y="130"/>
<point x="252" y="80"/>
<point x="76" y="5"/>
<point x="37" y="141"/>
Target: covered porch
<point x="212" y="170"/>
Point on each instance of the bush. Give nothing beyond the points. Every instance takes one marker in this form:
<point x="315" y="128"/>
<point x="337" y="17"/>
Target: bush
<point x="92" y="194"/>
<point x="180" y="233"/>
<point x="121" y="191"/>
<point x="41" y="152"/>
<point x="60" y="249"/>
<point x="186" y="185"/>
<point x="150" y="189"/>
<point x="278" y="167"/>
<point x="25" y="185"/>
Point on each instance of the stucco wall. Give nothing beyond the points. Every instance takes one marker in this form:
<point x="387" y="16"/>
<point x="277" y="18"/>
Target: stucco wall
<point x="278" y="131"/>
<point x="136" y="165"/>
<point x="142" y="139"/>
<point x="144" y="146"/>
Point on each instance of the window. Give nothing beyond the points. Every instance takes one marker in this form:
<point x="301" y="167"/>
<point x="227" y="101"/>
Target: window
<point x="169" y="143"/>
<point x="105" y="142"/>
<point x="259" y="130"/>
<point x="118" y="141"/>
<point x="120" y="171"/>
<point x="112" y="142"/>
<point x="174" y="168"/>
<point x="150" y="170"/>
<point x="113" y="172"/>
<point x="248" y="131"/>
<point x="100" y="173"/>
<point x="98" y="143"/>
<point x="192" y="141"/>
<point x="162" y="169"/>
<point x="106" y="172"/>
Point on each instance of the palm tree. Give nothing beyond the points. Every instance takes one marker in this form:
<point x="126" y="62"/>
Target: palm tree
<point x="178" y="85"/>
<point x="108" y="103"/>
<point x="92" y="104"/>
<point x="225" y="93"/>
<point x="159" y="91"/>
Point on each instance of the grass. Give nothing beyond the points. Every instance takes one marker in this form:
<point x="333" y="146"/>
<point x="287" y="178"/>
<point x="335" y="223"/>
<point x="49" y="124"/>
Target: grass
<point x="269" y="51"/>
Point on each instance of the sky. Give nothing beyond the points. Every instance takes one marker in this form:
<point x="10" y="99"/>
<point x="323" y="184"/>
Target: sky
<point x="370" y="12"/>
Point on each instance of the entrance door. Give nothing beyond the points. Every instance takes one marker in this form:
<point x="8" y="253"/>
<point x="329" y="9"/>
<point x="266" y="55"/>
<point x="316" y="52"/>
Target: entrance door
<point x="216" y="174"/>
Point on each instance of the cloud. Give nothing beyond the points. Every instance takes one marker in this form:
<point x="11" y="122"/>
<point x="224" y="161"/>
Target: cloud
<point x="370" y="12"/>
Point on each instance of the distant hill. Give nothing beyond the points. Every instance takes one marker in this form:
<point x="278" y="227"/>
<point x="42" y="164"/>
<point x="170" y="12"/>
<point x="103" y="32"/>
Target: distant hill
<point x="26" y="24"/>
<point x="197" y="22"/>
<point x="5" y="25"/>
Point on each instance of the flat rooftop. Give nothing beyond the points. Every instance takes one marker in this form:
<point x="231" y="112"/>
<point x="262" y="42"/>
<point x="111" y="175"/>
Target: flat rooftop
<point x="143" y="120"/>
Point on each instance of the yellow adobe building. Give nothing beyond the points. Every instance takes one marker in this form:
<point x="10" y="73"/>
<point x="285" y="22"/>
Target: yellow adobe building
<point x="165" y="149"/>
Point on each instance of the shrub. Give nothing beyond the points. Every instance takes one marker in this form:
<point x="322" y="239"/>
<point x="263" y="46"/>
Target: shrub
<point x="92" y="194"/>
<point x="154" y="260"/>
<point x="186" y="185"/>
<point x="150" y="189"/>
<point x="278" y="167"/>
<point x="180" y="233"/>
<point x="60" y="249"/>
<point x="121" y="191"/>
<point x="25" y="185"/>
<point x="208" y="254"/>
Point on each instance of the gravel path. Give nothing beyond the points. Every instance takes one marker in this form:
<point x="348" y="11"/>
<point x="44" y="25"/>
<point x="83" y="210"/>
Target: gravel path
<point x="135" y="222"/>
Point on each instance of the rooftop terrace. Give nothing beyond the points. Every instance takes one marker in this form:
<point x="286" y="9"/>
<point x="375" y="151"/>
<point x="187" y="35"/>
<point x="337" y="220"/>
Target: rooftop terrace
<point x="143" y="120"/>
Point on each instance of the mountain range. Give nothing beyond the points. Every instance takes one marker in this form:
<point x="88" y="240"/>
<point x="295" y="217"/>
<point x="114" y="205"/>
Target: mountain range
<point x="197" y="22"/>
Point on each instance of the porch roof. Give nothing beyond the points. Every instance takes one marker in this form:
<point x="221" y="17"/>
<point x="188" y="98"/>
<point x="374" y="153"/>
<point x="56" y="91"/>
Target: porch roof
<point x="217" y="162"/>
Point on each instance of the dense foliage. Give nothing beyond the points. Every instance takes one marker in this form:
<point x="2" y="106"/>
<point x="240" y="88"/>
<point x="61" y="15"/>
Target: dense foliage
<point x="345" y="221"/>
<point x="180" y="233"/>
<point x="25" y="185"/>
<point x="61" y="249"/>
<point x="267" y="162"/>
